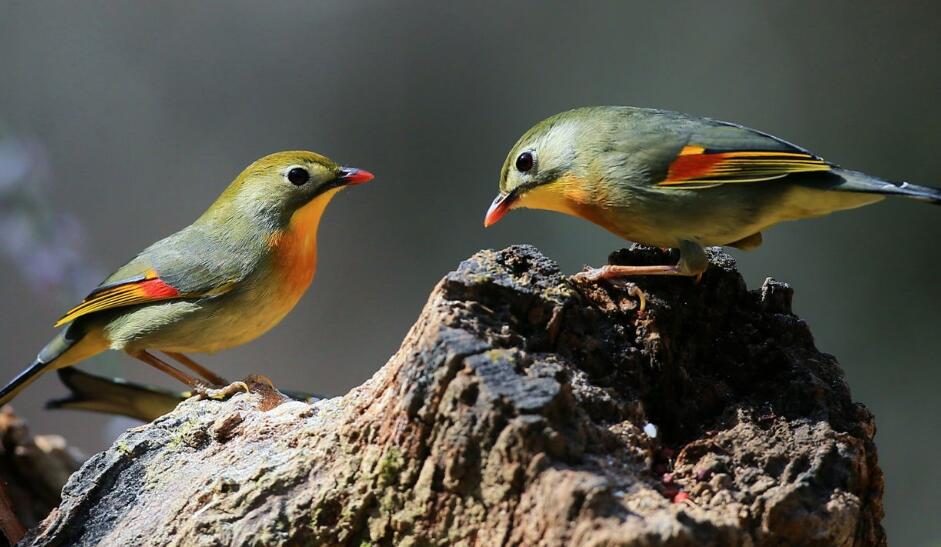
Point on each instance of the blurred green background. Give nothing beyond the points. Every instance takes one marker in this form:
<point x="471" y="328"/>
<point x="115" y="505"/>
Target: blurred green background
<point x="120" y="123"/>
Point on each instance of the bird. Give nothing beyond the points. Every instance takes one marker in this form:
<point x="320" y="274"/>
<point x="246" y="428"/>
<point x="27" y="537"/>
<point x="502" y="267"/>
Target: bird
<point x="220" y="282"/>
<point x="673" y="180"/>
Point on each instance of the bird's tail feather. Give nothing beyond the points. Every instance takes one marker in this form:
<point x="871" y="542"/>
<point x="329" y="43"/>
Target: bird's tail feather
<point x="23" y="379"/>
<point x="854" y="181"/>
<point x="114" y="396"/>
<point x="44" y="362"/>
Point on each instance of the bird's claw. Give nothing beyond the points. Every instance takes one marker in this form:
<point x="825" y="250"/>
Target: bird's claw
<point x="221" y="393"/>
<point x="593" y="275"/>
<point x="589" y="275"/>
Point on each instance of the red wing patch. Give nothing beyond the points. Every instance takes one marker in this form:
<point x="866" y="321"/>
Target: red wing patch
<point x="696" y="167"/>
<point x="148" y="288"/>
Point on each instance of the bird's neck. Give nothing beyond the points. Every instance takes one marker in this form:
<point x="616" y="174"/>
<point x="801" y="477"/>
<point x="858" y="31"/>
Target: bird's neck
<point x="294" y="247"/>
<point x="568" y="194"/>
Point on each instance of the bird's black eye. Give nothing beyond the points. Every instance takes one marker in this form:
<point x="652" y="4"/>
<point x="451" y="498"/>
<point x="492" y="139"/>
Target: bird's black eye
<point x="524" y="162"/>
<point x="298" y="176"/>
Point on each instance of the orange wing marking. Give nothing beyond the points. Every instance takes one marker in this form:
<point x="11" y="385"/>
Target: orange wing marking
<point x="695" y="167"/>
<point x="147" y="288"/>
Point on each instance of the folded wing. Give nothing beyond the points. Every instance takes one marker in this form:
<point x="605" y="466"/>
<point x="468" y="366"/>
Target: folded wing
<point x="719" y="153"/>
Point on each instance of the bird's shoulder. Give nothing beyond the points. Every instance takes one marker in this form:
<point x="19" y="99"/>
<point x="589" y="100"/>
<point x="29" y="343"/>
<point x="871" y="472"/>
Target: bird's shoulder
<point x="194" y="260"/>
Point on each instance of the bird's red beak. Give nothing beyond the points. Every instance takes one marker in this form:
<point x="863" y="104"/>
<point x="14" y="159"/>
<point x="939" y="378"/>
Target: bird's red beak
<point x="353" y="176"/>
<point x="500" y="206"/>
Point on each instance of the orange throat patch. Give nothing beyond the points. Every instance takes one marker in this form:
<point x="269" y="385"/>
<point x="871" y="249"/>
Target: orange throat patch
<point x="294" y="249"/>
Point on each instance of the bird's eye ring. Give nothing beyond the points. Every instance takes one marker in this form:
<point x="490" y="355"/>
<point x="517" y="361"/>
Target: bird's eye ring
<point x="298" y="176"/>
<point x="524" y="162"/>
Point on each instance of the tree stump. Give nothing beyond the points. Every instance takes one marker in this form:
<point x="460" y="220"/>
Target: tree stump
<point x="520" y="410"/>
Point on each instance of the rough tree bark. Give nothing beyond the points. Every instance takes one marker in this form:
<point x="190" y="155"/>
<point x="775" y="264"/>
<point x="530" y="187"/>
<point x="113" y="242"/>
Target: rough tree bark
<point x="514" y="413"/>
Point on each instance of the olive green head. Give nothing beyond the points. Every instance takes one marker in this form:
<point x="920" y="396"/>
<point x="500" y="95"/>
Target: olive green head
<point x="548" y="161"/>
<point x="275" y="186"/>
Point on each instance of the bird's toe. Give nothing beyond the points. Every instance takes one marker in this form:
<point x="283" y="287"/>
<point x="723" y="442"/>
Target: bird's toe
<point x="221" y="393"/>
<point x="589" y="275"/>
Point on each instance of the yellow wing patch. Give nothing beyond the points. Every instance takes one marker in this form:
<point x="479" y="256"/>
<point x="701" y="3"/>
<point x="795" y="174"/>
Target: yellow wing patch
<point x="696" y="168"/>
<point x="140" y="290"/>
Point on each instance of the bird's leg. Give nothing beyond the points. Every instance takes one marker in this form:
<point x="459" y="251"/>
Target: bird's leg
<point x="693" y="262"/>
<point x="612" y="271"/>
<point x="693" y="259"/>
<point x="224" y="389"/>
<point x="197" y="368"/>
<point x="223" y="392"/>
<point x="198" y="386"/>
<point x="166" y="368"/>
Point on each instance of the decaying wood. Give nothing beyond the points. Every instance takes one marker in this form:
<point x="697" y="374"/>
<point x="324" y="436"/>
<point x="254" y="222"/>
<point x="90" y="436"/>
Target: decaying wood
<point x="32" y="472"/>
<point x="515" y="413"/>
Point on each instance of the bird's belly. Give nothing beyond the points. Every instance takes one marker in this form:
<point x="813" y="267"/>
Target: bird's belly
<point x="670" y="232"/>
<point x="721" y="216"/>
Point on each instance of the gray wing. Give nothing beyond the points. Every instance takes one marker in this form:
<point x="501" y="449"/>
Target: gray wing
<point x="680" y="151"/>
<point x="188" y="264"/>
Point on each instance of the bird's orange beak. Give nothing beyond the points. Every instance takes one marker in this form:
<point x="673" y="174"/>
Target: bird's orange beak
<point x="500" y="207"/>
<point x="353" y="176"/>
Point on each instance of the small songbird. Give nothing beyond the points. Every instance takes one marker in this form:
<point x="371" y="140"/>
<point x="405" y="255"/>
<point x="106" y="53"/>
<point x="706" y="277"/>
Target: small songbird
<point x="671" y="180"/>
<point x="222" y="281"/>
